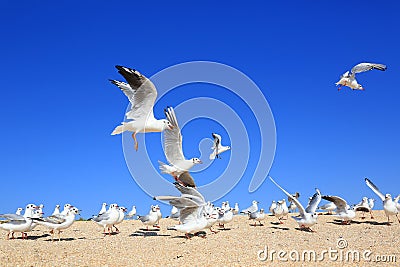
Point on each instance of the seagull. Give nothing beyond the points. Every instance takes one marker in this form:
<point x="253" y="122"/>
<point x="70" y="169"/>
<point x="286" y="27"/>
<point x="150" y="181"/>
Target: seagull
<point x="343" y="211"/>
<point x="191" y="204"/>
<point x="257" y="216"/>
<point x="132" y="212"/>
<point x="66" y="209"/>
<point x="285" y="209"/>
<point x="121" y="211"/>
<point x="212" y="217"/>
<point x="174" y="213"/>
<point x="18" y="212"/>
<point x="18" y="223"/>
<point x="56" y="210"/>
<point x="103" y="208"/>
<point x="59" y="222"/>
<point x="252" y="208"/>
<point x="108" y="218"/>
<point x="396" y="201"/>
<point x="225" y="216"/>
<point x="292" y="207"/>
<point x="278" y="211"/>
<point x="217" y="147"/>
<point x="349" y="79"/>
<point x="159" y="216"/>
<point x="272" y="207"/>
<point x="308" y="216"/>
<point x="236" y="209"/>
<point x="388" y="204"/>
<point x="364" y="207"/>
<point x="329" y="207"/>
<point x="142" y="94"/>
<point x="371" y="202"/>
<point x="173" y="149"/>
<point x="151" y="218"/>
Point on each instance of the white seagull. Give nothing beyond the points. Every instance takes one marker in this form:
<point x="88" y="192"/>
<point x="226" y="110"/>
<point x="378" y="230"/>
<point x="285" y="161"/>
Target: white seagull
<point x="257" y="216"/>
<point x="18" y="212"/>
<point x="364" y="207"/>
<point x="103" y="208"/>
<point x="142" y="94"/>
<point x="174" y="213"/>
<point x="191" y="204"/>
<point x="236" y="209"/>
<point x="272" y="207"/>
<point x="18" y="223"/>
<point x="343" y="210"/>
<point x="277" y="211"/>
<point x="173" y="149"/>
<point x="121" y="217"/>
<point x="132" y="212"/>
<point x="252" y="208"/>
<point x="66" y="209"/>
<point x="329" y="207"/>
<point x="225" y="216"/>
<point x="58" y="222"/>
<point x="108" y="218"/>
<point x="151" y="218"/>
<point x="217" y="147"/>
<point x="56" y="210"/>
<point x="349" y="79"/>
<point x="159" y="216"/>
<point x="308" y="217"/>
<point x="389" y="205"/>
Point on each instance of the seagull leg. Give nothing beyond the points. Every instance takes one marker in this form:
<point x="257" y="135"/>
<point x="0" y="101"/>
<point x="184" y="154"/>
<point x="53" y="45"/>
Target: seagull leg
<point x="116" y="229"/>
<point x="136" y="142"/>
<point x="59" y="235"/>
<point x="187" y="236"/>
<point x="372" y="215"/>
<point x="212" y="231"/>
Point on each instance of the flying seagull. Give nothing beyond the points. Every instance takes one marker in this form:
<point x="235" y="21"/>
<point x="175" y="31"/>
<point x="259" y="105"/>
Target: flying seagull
<point x="343" y="211"/>
<point x="217" y="147"/>
<point x="308" y="217"/>
<point x="173" y="149"/>
<point x="142" y="94"/>
<point x="389" y="205"/>
<point x="349" y="78"/>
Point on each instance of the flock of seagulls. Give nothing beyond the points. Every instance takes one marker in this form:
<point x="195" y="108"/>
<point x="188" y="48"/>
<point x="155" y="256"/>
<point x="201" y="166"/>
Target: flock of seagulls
<point x="190" y="208"/>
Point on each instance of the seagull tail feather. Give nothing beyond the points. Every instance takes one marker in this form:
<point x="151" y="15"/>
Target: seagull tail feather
<point x="119" y="129"/>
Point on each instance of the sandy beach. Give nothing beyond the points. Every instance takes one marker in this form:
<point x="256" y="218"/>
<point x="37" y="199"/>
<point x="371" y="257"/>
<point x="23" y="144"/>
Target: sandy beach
<point x="239" y="245"/>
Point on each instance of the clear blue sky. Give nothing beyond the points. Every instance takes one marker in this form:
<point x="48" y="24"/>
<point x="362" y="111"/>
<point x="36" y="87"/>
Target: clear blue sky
<point x="58" y="108"/>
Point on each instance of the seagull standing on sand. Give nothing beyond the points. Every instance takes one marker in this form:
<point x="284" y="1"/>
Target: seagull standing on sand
<point x="278" y="211"/>
<point x="121" y="211"/>
<point x="329" y="207"/>
<point x="308" y="217"/>
<point x="252" y="208"/>
<point x="217" y="147"/>
<point x="66" y="209"/>
<point x="364" y="207"/>
<point x="18" y="212"/>
<point x="272" y="207"/>
<point x="257" y="216"/>
<point x="343" y="211"/>
<point x="56" y="210"/>
<point x="18" y="223"/>
<point x="349" y="79"/>
<point x="285" y="209"/>
<point x="389" y="205"/>
<point x="173" y="149"/>
<point x="236" y="209"/>
<point x="142" y="94"/>
<point x="225" y="216"/>
<point x="58" y="222"/>
<point x="108" y="218"/>
<point x="132" y="212"/>
<point x="149" y="219"/>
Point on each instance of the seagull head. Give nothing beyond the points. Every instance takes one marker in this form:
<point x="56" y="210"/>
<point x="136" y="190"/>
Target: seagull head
<point x="167" y="124"/>
<point x="196" y="161"/>
<point x="388" y="196"/>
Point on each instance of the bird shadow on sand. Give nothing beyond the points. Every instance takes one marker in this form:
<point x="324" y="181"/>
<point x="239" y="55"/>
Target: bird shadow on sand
<point x="280" y="228"/>
<point x="33" y="237"/>
<point x="199" y="234"/>
<point x="305" y="230"/>
<point x="145" y="232"/>
<point x="224" y="229"/>
<point x="62" y="239"/>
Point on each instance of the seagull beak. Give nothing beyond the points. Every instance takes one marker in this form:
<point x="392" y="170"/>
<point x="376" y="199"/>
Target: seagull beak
<point x="171" y="127"/>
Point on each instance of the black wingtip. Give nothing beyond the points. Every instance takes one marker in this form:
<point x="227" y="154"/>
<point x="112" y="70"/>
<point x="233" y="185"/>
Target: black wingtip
<point x="154" y="198"/>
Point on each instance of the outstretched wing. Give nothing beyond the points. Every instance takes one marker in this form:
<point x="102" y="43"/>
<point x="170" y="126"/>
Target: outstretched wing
<point x="313" y="204"/>
<point x="173" y="138"/>
<point x="217" y="140"/>
<point x="375" y="189"/>
<point x="362" y="67"/>
<point x="294" y="200"/>
<point x="140" y="91"/>
<point x="340" y="203"/>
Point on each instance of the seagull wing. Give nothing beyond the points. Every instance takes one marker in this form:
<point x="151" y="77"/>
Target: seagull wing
<point x="340" y="203"/>
<point x="294" y="200"/>
<point x="375" y="189"/>
<point x="140" y="91"/>
<point x="55" y="219"/>
<point x="173" y="138"/>
<point x="192" y="193"/>
<point x="217" y="140"/>
<point x="12" y="217"/>
<point x="316" y="198"/>
<point x="188" y="214"/>
<point x="362" y="67"/>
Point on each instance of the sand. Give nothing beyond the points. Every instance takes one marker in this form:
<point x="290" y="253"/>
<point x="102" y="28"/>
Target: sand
<point x="239" y="245"/>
